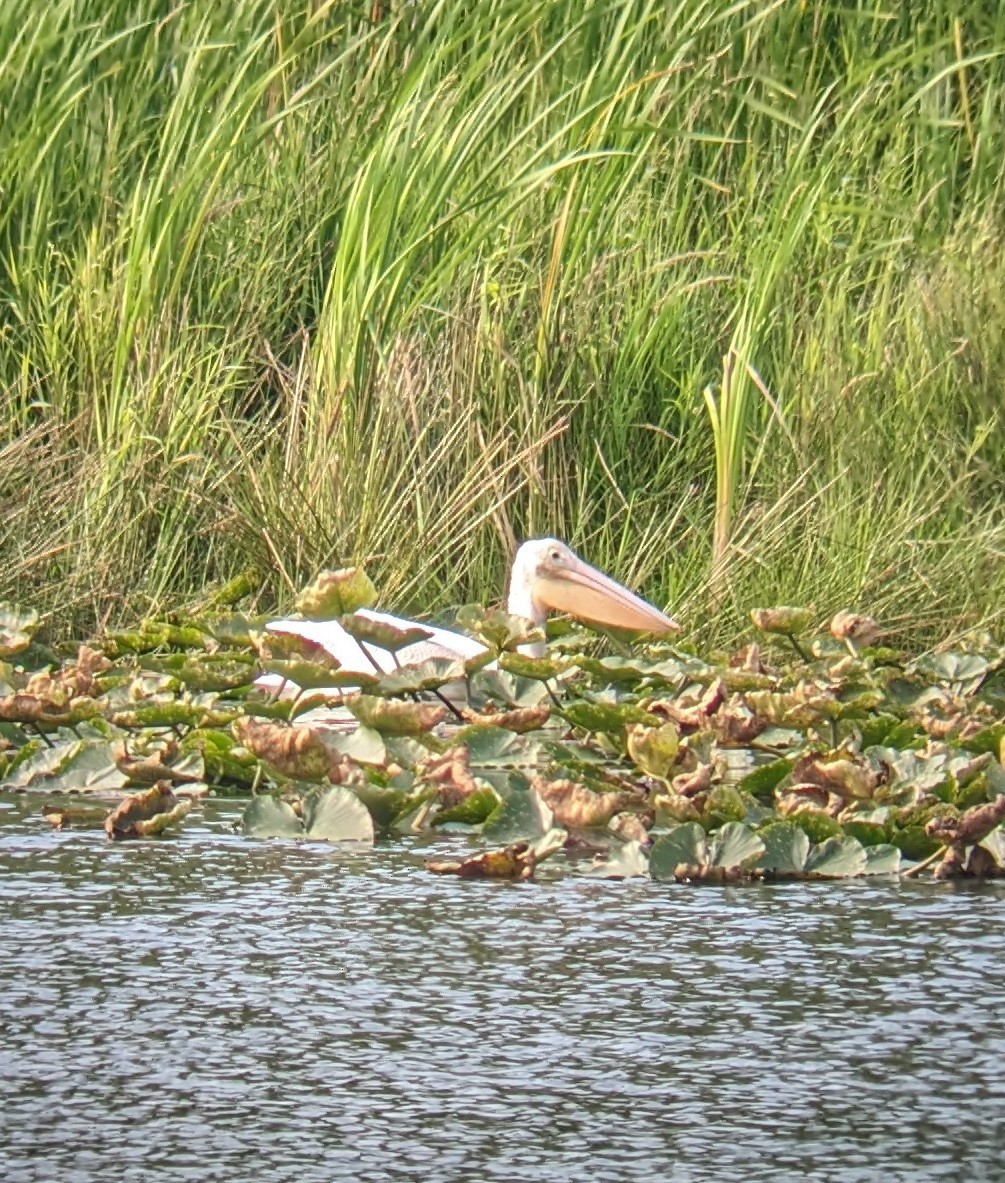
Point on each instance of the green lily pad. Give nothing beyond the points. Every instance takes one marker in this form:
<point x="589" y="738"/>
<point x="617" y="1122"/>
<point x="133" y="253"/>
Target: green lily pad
<point x="495" y="747"/>
<point x="329" y="815"/>
<point x="336" y="593"/>
<point x="498" y="629"/>
<point x="381" y="634"/>
<point x="541" y="669"/>
<point x="629" y="861"/>
<point x="392" y="717"/>
<point x="961" y="670"/>
<point x="654" y="749"/>
<point x="17" y="627"/>
<point x="384" y="802"/>
<point x="987" y="740"/>
<point x="476" y="808"/>
<point x="869" y="833"/>
<point x="521" y="816"/>
<point x="364" y="745"/>
<point x="786" y="849"/>
<point x="72" y="766"/>
<point x="686" y="844"/>
<point x="313" y="675"/>
<point x="817" y="826"/>
<point x="914" y="842"/>
<point x="837" y="858"/>
<point x="601" y="716"/>
<point x="269" y="817"/>
<point x="235" y="630"/>
<point x="761" y="783"/>
<point x="337" y="815"/>
<point x="632" y="671"/>
<point x="783" y="620"/>
<point x="882" y="859"/>
<point x="723" y="804"/>
<point x="735" y="845"/>
<point x="417" y="679"/>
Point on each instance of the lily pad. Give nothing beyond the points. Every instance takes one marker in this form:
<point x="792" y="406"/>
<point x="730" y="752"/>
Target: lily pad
<point x="313" y="675"/>
<point x="784" y="620"/>
<point x="837" y="858"/>
<point x="499" y="629"/>
<point x="521" y="815"/>
<point x="684" y="846"/>
<point x="17" y="627"/>
<point x="336" y="593"/>
<point x="391" y="717"/>
<point x="474" y="809"/>
<point x="337" y="815"/>
<point x="629" y="861"/>
<point x="269" y="817"/>
<point x="786" y="849"/>
<point x="71" y="766"/>
<point x="541" y="669"/>
<point x="762" y="781"/>
<point x="146" y="814"/>
<point x="418" y="679"/>
<point x="327" y="815"/>
<point x="883" y="859"/>
<point x="735" y="845"/>
<point x="654" y="749"/>
<point x="381" y="634"/>
<point x="600" y="716"/>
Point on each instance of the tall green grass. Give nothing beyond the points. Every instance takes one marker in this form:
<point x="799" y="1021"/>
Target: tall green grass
<point x="715" y="291"/>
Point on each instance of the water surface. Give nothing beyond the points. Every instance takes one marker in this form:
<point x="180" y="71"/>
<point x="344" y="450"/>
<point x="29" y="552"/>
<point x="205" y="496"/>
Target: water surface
<point x="212" y="1008"/>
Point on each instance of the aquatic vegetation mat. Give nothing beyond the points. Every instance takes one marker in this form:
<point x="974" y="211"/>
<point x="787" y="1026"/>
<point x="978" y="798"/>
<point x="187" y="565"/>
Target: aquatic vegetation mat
<point x="811" y="753"/>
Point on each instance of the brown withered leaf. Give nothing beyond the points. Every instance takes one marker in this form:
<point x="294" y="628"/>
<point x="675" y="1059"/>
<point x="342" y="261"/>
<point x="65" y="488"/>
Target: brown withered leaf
<point x="794" y="798"/>
<point x="29" y="708"/>
<point x="511" y="862"/>
<point x="853" y="626"/>
<point x="517" y="861"/>
<point x="849" y="778"/>
<point x="64" y="817"/>
<point x="576" y="805"/>
<point x="953" y="720"/>
<point x="804" y="706"/>
<point x="672" y="807"/>
<point x="450" y="772"/>
<point x="691" y="717"/>
<point x="748" y="658"/>
<point x="967" y="830"/>
<point x="77" y="680"/>
<point x="141" y="815"/>
<point x="631" y="827"/>
<point x="689" y="784"/>
<point x="153" y="767"/>
<point x="736" y="724"/>
<point x="391" y="716"/>
<point x="520" y="719"/>
<point x="703" y="873"/>
<point x="301" y="753"/>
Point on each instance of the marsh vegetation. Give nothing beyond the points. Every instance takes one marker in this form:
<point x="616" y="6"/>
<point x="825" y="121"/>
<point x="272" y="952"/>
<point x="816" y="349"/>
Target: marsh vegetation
<point x="819" y="755"/>
<point x="713" y="291"/>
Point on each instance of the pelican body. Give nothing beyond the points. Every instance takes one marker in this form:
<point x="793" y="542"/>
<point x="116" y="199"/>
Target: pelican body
<point x="546" y="576"/>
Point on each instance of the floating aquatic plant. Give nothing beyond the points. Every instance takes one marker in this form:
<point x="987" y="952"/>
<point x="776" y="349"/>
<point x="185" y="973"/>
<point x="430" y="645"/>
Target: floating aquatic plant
<point x="821" y="761"/>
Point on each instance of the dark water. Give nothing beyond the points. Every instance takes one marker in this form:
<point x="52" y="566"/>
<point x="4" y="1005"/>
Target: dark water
<point x="209" y="1008"/>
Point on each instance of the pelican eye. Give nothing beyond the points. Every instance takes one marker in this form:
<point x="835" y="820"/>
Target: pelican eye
<point x="556" y="555"/>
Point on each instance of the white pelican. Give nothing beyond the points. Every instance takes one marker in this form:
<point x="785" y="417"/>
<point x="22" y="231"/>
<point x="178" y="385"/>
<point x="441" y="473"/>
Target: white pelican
<point x="546" y="576"/>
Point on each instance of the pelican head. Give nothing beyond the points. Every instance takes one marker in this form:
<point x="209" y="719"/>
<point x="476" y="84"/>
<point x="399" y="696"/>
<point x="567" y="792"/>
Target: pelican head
<point x="548" y="576"/>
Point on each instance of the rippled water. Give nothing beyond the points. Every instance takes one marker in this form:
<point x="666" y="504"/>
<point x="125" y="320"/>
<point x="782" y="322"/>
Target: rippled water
<point x="211" y="1008"/>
